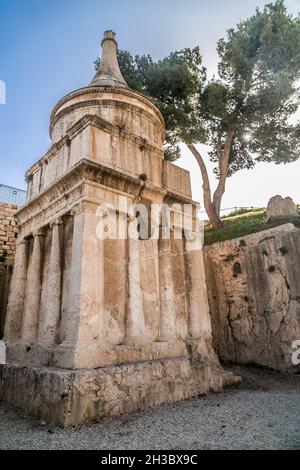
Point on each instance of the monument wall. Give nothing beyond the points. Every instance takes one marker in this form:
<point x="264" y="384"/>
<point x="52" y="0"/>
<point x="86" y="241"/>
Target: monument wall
<point x="100" y="325"/>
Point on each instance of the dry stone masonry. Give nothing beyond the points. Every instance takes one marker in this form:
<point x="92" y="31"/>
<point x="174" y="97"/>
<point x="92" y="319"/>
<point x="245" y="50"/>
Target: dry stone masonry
<point x="8" y="234"/>
<point x="8" y="231"/>
<point x="97" y="327"/>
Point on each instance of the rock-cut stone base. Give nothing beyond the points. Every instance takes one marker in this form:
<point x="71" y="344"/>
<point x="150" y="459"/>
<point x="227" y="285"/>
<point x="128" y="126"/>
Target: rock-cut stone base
<point x="71" y="398"/>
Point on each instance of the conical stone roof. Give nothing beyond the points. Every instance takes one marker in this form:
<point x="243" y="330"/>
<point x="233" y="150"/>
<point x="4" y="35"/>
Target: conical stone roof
<point x="109" y="73"/>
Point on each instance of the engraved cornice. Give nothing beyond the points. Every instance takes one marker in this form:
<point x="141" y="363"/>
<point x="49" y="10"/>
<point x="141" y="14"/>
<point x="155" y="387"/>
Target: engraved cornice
<point x="106" y="90"/>
<point x="100" y="123"/>
<point x="85" y="171"/>
<point x="171" y="198"/>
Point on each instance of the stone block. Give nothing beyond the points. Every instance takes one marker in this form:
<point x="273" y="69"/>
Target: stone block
<point x="278" y="206"/>
<point x="67" y="398"/>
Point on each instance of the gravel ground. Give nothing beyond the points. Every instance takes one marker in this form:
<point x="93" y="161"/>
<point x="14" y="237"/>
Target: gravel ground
<point x="261" y="413"/>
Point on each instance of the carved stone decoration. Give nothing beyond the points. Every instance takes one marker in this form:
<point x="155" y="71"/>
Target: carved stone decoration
<point x="105" y="325"/>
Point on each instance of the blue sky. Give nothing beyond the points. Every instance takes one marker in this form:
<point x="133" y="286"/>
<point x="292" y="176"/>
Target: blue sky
<point x="47" y="49"/>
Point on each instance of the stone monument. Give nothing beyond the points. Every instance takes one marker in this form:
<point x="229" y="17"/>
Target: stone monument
<point x="100" y="326"/>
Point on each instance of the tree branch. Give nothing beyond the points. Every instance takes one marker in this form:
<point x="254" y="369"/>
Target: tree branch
<point x="223" y="167"/>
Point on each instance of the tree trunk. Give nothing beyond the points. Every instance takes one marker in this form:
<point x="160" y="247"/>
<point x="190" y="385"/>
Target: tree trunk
<point x="223" y="167"/>
<point x="213" y="204"/>
<point x="214" y="217"/>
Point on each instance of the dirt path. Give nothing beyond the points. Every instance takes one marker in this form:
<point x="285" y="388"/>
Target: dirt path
<point x="261" y="413"/>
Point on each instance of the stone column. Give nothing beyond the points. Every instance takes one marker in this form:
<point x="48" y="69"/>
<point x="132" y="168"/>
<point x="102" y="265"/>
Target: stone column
<point x="135" y="322"/>
<point x="13" y="325"/>
<point x="167" y="302"/>
<point x="199" y="319"/>
<point x="33" y="290"/>
<point x="48" y="327"/>
<point x="86" y="320"/>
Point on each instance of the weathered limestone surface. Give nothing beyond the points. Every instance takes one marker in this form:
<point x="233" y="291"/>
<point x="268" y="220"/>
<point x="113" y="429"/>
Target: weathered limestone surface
<point x="100" y="326"/>
<point x="8" y="234"/>
<point x="67" y="398"/>
<point x="278" y="206"/>
<point x="254" y="296"/>
<point x="8" y="230"/>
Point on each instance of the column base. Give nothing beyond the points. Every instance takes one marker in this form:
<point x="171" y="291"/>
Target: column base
<point x="201" y="349"/>
<point x="97" y="354"/>
<point x="91" y="355"/>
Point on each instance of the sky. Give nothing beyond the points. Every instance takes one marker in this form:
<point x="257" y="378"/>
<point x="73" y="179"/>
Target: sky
<point x="47" y="49"/>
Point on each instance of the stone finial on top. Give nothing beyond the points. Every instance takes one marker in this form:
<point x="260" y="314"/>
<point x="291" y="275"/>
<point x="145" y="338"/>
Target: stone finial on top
<point x="109" y="73"/>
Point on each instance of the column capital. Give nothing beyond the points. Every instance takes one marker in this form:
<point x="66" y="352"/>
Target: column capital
<point x="76" y="210"/>
<point x="84" y="206"/>
<point x="23" y="241"/>
<point x="57" y="221"/>
<point x="65" y="217"/>
<point x="38" y="233"/>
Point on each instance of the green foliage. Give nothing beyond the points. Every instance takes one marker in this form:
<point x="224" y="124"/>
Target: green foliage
<point x="256" y="92"/>
<point x="245" y="223"/>
<point x="254" y="95"/>
<point x="174" y="84"/>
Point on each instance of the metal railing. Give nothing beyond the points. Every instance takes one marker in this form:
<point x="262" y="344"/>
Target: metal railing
<point x="230" y="210"/>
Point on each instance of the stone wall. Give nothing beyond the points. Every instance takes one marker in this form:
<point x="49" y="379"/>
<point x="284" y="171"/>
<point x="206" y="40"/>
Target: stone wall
<point x="254" y="296"/>
<point x="8" y="233"/>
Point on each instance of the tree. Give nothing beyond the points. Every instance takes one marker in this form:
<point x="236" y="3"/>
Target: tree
<point x="174" y="84"/>
<point x="243" y="114"/>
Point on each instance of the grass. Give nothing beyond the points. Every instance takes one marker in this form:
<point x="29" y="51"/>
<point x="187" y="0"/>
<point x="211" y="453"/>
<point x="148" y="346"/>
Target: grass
<point x="244" y="223"/>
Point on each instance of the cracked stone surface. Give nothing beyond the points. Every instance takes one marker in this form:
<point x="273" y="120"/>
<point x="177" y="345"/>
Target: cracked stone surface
<point x="261" y="413"/>
<point x="254" y="296"/>
<point x="72" y="398"/>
